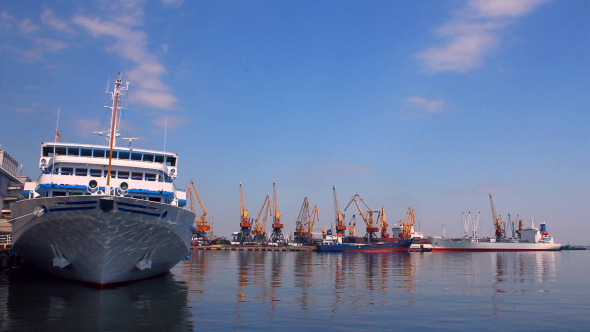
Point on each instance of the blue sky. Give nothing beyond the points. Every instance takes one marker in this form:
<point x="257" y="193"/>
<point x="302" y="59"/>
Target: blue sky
<point x="428" y="104"/>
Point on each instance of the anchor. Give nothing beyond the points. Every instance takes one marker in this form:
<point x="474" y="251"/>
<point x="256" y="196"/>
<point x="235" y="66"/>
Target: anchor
<point x="146" y="261"/>
<point x="58" y="258"/>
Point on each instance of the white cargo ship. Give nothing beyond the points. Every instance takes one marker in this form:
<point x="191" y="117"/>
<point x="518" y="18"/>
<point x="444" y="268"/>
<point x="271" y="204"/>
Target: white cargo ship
<point x="525" y="239"/>
<point x="530" y="239"/>
<point x="103" y="214"/>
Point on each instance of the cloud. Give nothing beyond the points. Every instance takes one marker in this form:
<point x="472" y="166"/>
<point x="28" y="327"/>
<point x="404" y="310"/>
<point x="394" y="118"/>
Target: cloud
<point x="49" y="18"/>
<point x="426" y="105"/>
<point x="131" y="43"/>
<point x="474" y="32"/>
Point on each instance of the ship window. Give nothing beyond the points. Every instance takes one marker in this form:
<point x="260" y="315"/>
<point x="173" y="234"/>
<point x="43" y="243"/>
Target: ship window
<point x="95" y="172"/>
<point x="150" y="177"/>
<point x="136" y="176"/>
<point x="86" y="152"/>
<point x="155" y="199"/>
<point x="160" y="159"/>
<point x="123" y="175"/>
<point x="148" y="157"/>
<point x="59" y="193"/>
<point x="136" y="156"/>
<point x="48" y="151"/>
<point x="73" y="151"/>
<point x="60" y="151"/>
<point x="115" y="153"/>
<point x="99" y="153"/>
<point x="67" y="171"/>
<point x="81" y="171"/>
<point x="170" y="161"/>
<point x="123" y="155"/>
<point x="76" y="193"/>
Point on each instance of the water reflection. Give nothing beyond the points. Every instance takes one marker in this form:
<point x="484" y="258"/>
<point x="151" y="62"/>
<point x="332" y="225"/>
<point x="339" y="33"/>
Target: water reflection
<point x="36" y="302"/>
<point x="520" y="272"/>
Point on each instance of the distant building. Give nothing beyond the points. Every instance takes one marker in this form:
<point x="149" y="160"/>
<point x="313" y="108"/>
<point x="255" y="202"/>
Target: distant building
<point x="11" y="187"/>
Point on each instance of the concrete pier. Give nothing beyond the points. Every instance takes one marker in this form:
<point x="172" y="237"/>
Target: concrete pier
<point x="256" y="248"/>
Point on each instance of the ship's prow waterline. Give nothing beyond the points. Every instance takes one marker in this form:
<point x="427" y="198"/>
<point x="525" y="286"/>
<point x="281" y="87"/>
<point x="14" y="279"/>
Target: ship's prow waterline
<point x="77" y="239"/>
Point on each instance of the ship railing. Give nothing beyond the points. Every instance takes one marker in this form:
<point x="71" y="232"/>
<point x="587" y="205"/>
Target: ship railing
<point x="5" y="239"/>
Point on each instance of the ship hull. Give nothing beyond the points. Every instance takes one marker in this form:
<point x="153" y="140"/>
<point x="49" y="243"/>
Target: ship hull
<point x="100" y="240"/>
<point x="440" y="244"/>
<point x="358" y="247"/>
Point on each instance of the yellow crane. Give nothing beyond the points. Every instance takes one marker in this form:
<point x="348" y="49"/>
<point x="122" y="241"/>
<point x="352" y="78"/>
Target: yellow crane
<point x="497" y="221"/>
<point x="259" y="230"/>
<point x="383" y="223"/>
<point x="305" y="222"/>
<point x="340" y="226"/>
<point x="277" y="233"/>
<point x="201" y="224"/>
<point x="245" y="222"/>
<point x="408" y="224"/>
<point x="371" y="229"/>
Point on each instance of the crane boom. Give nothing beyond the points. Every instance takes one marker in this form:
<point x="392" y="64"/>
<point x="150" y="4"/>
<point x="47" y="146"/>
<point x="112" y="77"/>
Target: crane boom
<point x="408" y="224"/>
<point x="260" y="229"/>
<point x="339" y="217"/>
<point x="201" y="222"/>
<point x="243" y="210"/>
<point x="383" y="223"/>
<point x="497" y="221"/>
<point x="315" y="215"/>
<point x="276" y="214"/>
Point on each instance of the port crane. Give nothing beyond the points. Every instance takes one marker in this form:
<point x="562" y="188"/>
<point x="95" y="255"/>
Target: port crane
<point x="383" y="223"/>
<point x="408" y="224"/>
<point x="497" y="221"/>
<point x="201" y="224"/>
<point x="245" y="222"/>
<point x="259" y="230"/>
<point x="371" y="229"/>
<point x="277" y="227"/>
<point x="339" y="217"/>
<point x="305" y="222"/>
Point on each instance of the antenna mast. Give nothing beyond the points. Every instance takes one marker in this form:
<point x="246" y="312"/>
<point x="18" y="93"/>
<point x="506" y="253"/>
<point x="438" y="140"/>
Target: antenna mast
<point x="113" y="134"/>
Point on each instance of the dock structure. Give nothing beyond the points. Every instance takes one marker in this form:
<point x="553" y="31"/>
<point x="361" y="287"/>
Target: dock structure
<point x="256" y="248"/>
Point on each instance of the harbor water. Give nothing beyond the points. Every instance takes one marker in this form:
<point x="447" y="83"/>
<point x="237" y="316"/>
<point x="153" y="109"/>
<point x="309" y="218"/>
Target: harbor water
<point x="233" y="290"/>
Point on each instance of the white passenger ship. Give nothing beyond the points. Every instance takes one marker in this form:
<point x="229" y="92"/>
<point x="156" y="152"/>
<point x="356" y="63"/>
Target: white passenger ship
<point x="103" y="214"/>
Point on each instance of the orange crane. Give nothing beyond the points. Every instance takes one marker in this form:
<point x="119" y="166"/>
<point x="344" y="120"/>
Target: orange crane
<point x="340" y="226"/>
<point x="259" y="230"/>
<point x="371" y="229"/>
<point x="497" y="221"/>
<point x="277" y="233"/>
<point x="408" y="224"/>
<point x="305" y="222"/>
<point x="201" y="224"/>
<point x="245" y="222"/>
<point x="383" y="223"/>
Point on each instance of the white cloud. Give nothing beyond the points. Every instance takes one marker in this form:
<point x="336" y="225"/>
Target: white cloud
<point x="50" y="45"/>
<point x="49" y="18"/>
<point x="474" y="32"/>
<point x="426" y="105"/>
<point x="132" y="44"/>
<point x="27" y="26"/>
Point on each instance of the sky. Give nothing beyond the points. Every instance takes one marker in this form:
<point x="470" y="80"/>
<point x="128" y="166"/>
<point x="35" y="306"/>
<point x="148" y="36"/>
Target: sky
<point x="423" y="104"/>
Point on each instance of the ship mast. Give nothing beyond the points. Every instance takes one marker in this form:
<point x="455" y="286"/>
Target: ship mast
<point x="113" y="134"/>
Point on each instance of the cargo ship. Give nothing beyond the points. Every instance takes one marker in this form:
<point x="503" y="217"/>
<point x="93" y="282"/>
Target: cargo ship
<point x="531" y="239"/>
<point x="334" y="243"/>
<point x="103" y="214"/>
<point x="526" y="239"/>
